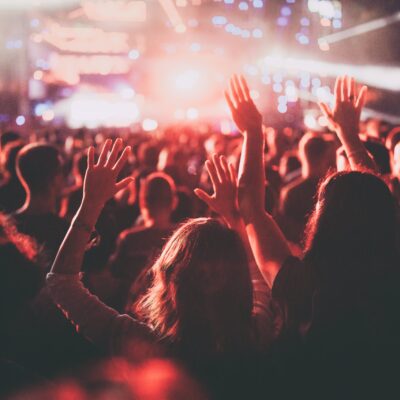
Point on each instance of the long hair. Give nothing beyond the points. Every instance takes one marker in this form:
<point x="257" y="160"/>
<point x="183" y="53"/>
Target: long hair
<point x="351" y="245"/>
<point x="354" y="219"/>
<point x="201" y="295"/>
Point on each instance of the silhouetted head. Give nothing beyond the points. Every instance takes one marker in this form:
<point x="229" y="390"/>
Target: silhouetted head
<point x="201" y="294"/>
<point x="80" y="164"/>
<point x="157" y="193"/>
<point x="316" y="152"/>
<point x="39" y="167"/>
<point x="148" y="155"/>
<point x="10" y="155"/>
<point x="354" y="221"/>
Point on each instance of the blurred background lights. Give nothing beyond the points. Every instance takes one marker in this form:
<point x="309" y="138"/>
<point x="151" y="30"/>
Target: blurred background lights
<point x="192" y="113"/>
<point x="134" y="54"/>
<point x="20" y="120"/>
<point x="187" y="80"/>
<point x="149" y="124"/>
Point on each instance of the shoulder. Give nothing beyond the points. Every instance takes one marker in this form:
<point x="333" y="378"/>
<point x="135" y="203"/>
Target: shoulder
<point x="293" y="278"/>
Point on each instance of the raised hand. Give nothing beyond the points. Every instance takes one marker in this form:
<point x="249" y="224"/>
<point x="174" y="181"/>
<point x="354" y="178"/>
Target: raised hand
<point x="344" y="118"/>
<point x="100" y="182"/>
<point x="244" y="111"/>
<point x="224" y="181"/>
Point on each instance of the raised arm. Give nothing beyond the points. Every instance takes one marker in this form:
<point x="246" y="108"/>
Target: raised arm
<point x="344" y="119"/>
<point x="269" y="246"/>
<point x="99" y="186"/>
<point x="94" y="319"/>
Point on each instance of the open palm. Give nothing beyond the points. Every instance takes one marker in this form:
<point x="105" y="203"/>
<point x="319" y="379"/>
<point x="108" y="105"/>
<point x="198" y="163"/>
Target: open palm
<point x="100" y="182"/>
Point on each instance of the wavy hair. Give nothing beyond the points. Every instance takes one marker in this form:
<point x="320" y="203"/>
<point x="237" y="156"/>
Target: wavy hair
<point x="201" y="294"/>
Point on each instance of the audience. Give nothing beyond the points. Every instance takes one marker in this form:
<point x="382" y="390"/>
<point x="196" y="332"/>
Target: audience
<point x="39" y="170"/>
<point x="282" y="279"/>
<point x="12" y="194"/>
<point x="297" y="198"/>
<point x="138" y="246"/>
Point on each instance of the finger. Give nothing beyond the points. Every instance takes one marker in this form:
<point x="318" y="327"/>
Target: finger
<point x="233" y="173"/>
<point x="325" y="110"/>
<point x="90" y="158"/>
<point x="362" y="96"/>
<point x="238" y="88"/>
<point x="343" y="92"/>
<point x="202" y="195"/>
<point x="104" y="152"/>
<point x="245" y="88"/>
<point x="218" y="168"/>
<point x="230" y="102"/>
<point x="338" y="89"/>
<point x="123" y="184"/>
<point x="122" y="160"/>
<point x="114" y="152"/>
<point x="225" y="168"/>
<point x="234" y="92"/>
<point x="353" y="91"/>
<point x="212" y="174"/>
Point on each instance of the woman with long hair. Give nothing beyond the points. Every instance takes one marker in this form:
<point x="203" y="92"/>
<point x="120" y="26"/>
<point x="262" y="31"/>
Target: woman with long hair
<point x="346" y="287"/>
<point x="200" y="302"/>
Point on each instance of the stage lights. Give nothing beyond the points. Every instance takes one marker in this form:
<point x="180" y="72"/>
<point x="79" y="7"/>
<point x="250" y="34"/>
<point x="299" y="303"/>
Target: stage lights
<point x="187" y="80"/>
<point x="20" y="120"/>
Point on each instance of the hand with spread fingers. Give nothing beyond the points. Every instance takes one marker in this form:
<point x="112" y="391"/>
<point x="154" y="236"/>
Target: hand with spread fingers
<point x="224" y="181"/>
<point x="344" y="118"/>
<point x="100" y="182"/>
<point x="244" y="112"/>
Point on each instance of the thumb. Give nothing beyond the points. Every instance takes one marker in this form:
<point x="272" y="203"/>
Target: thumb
<point x="202" y="195"/>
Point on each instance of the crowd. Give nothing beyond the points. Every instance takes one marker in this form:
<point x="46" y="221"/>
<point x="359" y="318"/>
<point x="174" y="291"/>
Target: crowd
<point x="190" y="264"/>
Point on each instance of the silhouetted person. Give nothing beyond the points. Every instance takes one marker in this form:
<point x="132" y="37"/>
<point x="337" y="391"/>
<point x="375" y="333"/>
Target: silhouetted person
<point x="138" y="246"/>
<point x="298" y="197"/>
<point x="12" y="194"/>
<point x="39" y="170"/>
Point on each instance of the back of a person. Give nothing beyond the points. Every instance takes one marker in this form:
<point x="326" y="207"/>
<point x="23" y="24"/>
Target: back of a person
<point x="297" y="202"/>
<point x="136" y="250"/>
<point x="47" y="229"/>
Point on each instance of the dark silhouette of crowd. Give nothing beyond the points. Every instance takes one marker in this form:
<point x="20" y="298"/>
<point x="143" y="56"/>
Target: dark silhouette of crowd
<point x="188" y="264"/>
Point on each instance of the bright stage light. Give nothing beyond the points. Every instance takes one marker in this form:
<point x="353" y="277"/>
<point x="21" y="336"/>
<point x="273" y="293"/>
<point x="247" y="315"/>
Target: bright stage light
<point x="93" y="110"/>
<point x="134" y="54"/>
<point x="48" y="115"/>
<point x="387" y="78"/>
<point x="192" y="113"/>
<point x="310" y="121"/>
<point x="359" y="29"/>
<point x="149" y="125"/>
<point x="20" y="120"/>
<point x="29" y="4"/>
<point x="187" y="80"/>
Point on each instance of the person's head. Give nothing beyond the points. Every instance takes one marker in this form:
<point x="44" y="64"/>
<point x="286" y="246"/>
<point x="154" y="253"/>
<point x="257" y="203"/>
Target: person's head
<point x="316" y="154"/>
<point x="354" y="221"/>
<point x="201" y="294"/>
<point x="288" y="164"/>
<point x="79" y="166"/>
<point x="9" y="157"/>
<point x="39" y="168"/>
<point x="148" y="153"/>
<point x="157" y="195"/>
